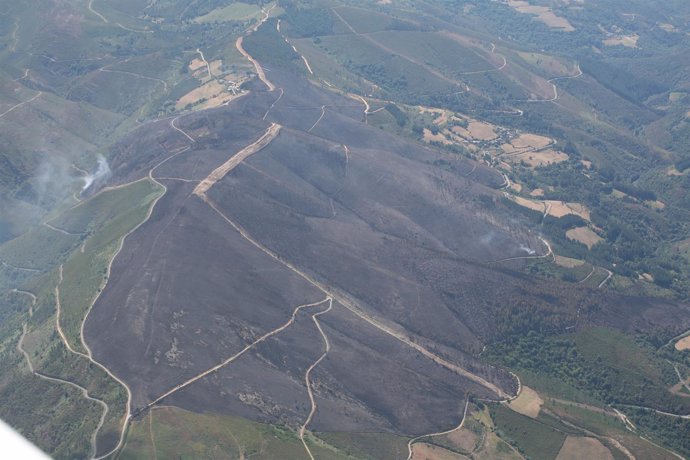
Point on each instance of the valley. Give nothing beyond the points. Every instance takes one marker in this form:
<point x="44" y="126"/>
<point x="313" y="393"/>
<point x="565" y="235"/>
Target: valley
<point x="341" y="230"/>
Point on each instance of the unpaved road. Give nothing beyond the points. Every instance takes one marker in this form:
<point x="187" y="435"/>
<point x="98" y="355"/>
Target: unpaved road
<point x="323" y="112"/>
<point x="83" y="390"/>
<point x="280" y="96"/>
<point x="257" y="67"/>
<point x="40" y="93"/>
<point x="413" y="440"/>
<point x="172" y="124"/>
<point x="608" y="277"/>
<point x="238" y="354"/>
<point x="555" y="88"/>
<point x="431" y="70"/>
<point x="307" y="375"/>
<point x="222" y="170"/>
<point x="549" y="253"/>
<point x="357" y="311"/>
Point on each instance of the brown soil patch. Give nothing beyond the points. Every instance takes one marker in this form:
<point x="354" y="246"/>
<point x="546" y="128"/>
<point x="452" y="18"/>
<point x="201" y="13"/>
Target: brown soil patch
<point x="196" y="64"/>
<point x="560" y="209"/>
<point x="576" y="448"/>
<point x="584" y="235"/>
<point x="586" y="163"/>
<point x="625" y="40"/>
<point x="423" y="451"/>
<point x="683" y="344"/>
<point x="646" y="277"/>
<point x="481" y="131"/>
<point x="441" y="115"/>
<point x="216" y="67"/>
<point x="535" y="141"/>
<point x="672" y="171"/>
<point x="543" y="14"/>
<point x="556" y="208"/>
<point x="568" y="262"/>
<point x="462" y="439"/>
<point x="537" y="192"/>
<point x="527" y="403"/>
<point x="530" y="204"/>
<point x="515" y="186"/>
<point x="431" y="137"/>
<point x="656" y="204"/>
<point x="542" y="158"/>
<point x="209" y="91"/>
<point x="680" y="389"/>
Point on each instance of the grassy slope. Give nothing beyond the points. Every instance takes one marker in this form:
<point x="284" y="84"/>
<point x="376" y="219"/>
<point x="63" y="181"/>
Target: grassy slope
<point x="173" y="432"/>
<point x="66" y="431"/>
<point x="107" y="218"/>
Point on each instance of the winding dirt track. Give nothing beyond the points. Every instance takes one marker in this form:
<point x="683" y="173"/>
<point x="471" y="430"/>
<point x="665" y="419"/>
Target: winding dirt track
<point x="40" y="93"/>
<point x="203" y="59"/>
<point x="236" y="355"/>
<point x="323" y="112"/>
<point x="172" y="124"/>
<point x="555" y="88"/>
<point x="608" y="277"/>
<point x="594" y="269"/>
<point x="124" y="72"/>
<point x="259" y="70"/>
<point x="368" y="38"/>
<point x="549" y="253"/>
<point x="633" y="429"/>
<point x="307" y="375"/>
<point x="84" y="391"/>
<point x="90" y="6"/>
<point x="274" y="103"/>
<point x="357" y="311"/>
<point x="60" y="230"/>
<point x="414" y="440"/>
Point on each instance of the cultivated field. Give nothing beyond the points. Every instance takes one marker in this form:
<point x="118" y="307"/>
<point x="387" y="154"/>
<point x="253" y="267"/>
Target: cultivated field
<point x="577" y="448"/>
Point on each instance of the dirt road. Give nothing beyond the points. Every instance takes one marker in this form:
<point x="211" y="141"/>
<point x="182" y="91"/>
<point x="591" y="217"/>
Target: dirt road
<point x="222" y="170"/>
<point x="414" y="440"/>
<point x="15" y="107"/>
<point x="238" y="354"/>
<point x="257" y="67"/>
<point x="390" y="51"/>
<point x="307" y="375"/>
<point x="357" y="311"/>
<point x="323" y="112"/>
<point x="555" y="88"/>
<point x="172" y="124"/>
<point x="83" y="390"/>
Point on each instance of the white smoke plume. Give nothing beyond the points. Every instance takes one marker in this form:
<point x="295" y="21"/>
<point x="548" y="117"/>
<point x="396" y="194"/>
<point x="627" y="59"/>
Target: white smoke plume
<point x="99" y="176"/>
<point x="527" y="249"/>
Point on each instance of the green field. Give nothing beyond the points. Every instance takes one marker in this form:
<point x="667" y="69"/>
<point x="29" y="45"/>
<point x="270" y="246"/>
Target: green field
<point x="171" y="432"/>
<point x="237" y="11"/>
<point x="537" y="440"/>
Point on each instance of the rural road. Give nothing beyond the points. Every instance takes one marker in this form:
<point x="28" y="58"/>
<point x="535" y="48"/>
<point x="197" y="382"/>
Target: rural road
<point x="307" y="375"/>
<point x="431" y="70"/>
<point x="236" y="355"/>
<point x="84" y="391"/>
<point x="21" y="104"/>
<point x="222" y="170"/>
<point x="414" y="440"/>
<point x="555" y="88"/>
<point x="548" y="254"/>
<point x="172" y="124"/>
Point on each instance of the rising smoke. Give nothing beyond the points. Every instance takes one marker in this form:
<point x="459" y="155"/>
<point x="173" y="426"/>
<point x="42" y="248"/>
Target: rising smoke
<point x="98" y="177"/>
<point x="527" y="249"/>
